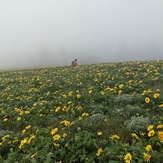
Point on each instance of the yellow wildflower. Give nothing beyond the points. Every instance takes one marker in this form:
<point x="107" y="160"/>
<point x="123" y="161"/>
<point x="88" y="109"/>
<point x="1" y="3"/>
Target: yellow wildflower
<point x="114" y="137"/>
<point x="147" y="100"/>
<point x="79" y="108"/>
<point x="64" y="135"/>
<point x="21" y="112"/>
<point x="64" y="96"/>
<point x="23" y="131"/>
<point x="102" y="93"/>
<point x="69" y="102"/>
<point x="149" y="91"/>
<point x="85" y="114"/>
<point x="9" y="142"/>
<point x="80" y="118"/>
<point x="23" y="142"/>
<point x="28" y="127"/>
<point x="15" y="139"/>
<point x="142" y="134"/>
<point x="156" y="95"/>
<point x="151" y="133"/>
<point x="158" y="90"/>
<point x="4" y="137"/>
<point x="99" y="133"/>
<point x="149" y="128"/>
<point x="161" y="105"/>
<point x="66" y="123"/>
<point x="34" y="104"/>
<point x="56" y="137"/>
<point x="5" y="119"/>
<point x="65" y="108"/>
<point x="128" y="158"/>
<point x="134" y="135"/>
<point x="31" y="137"/>
<point x="120" y="92"/>
<point x="144" y="92"/>
<point x="40" y="104"/>
<point x="160" y="126"/>
<point x="32" y="156"/>
<point x="78" y="96"/>
<point x="121" y="86"/>
<point x="57" y="109"/>
<point x="90" y="91"/>
<point x="99" y="152"/>
<point x="147" y="157"/>
<point x="56" y="145"/>
<point x="133" y="94"/>
<point x="70" y="93"/>
<point x="19" y="118"/>
<point x="54" y="131"/>
<point x="160" y="135"/>
<point x="148" y="148"/>
<point x="27" y="112"/>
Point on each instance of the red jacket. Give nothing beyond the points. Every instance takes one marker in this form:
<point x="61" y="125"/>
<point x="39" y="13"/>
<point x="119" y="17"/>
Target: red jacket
<point x="75" y="63"/>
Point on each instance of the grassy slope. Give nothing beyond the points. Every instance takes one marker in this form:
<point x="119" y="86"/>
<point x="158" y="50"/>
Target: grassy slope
<point x="92" y="98"/>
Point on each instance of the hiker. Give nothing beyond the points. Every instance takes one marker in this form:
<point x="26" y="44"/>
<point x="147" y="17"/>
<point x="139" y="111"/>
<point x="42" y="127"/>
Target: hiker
<point x="74" y="63"/>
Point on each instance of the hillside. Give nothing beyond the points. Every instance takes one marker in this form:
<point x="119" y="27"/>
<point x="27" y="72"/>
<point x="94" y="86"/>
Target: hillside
<point x="110" y="112"/>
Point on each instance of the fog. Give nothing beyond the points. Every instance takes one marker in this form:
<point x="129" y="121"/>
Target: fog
<point x="36" y="33"/>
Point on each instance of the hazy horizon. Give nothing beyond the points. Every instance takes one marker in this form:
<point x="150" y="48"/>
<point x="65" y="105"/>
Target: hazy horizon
<point x="53" y="33"/>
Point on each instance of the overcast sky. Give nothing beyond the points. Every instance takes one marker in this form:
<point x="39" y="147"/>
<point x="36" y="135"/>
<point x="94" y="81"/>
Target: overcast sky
<point x="54" y="32"/>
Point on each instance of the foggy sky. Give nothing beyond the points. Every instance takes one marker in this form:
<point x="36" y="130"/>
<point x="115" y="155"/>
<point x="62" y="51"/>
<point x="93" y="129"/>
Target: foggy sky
<point x="54" y="32"/>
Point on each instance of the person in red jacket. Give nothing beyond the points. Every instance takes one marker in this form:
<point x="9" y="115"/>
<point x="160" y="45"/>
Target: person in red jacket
<point x="74" y="63"/>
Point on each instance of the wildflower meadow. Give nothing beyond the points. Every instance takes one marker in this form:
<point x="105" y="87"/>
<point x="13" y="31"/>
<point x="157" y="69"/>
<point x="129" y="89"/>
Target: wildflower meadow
<point x="97" y="113"/>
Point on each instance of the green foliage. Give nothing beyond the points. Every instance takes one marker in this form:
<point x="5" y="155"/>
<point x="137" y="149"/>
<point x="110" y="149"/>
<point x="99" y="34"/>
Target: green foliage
<point x="138" y="124"/>
<point x="90" y="114"/>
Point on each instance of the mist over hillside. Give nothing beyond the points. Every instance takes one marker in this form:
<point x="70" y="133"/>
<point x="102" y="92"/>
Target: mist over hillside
<point x="53" y="33"/>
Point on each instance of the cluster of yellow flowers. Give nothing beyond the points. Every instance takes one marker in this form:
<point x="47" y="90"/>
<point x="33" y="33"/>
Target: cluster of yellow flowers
<point x="85" y="114"/>
<point x="147" y="155"/>
<point x="150" y="130"/>
<point x="66" y="123"/>
<point x="128" y="158"/>
<point x="55" y="136"/>
<point x="134" y="135"/>
<point x="113" y="137"/>
<point x="26" y="140"/>
<point x="26" y="128"/>
<point x="155" y="96"/>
